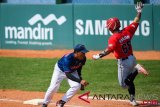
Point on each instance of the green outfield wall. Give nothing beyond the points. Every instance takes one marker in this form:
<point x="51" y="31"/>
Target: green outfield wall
<point x="63" y="26"/>
<point x="37" y="26"/>
<point x="156" y="27"/>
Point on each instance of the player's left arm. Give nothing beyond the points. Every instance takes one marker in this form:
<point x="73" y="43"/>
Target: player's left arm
<point x="80" y="68"/>
<point x="105" y="52"/>
<point x="102" y="54"/>
<point x="71" y="77"/>
<point x="79" y="72"/>
<point x="68" y="71"/>
<point x="80" y="76"/>
<point x="111" y="47"/>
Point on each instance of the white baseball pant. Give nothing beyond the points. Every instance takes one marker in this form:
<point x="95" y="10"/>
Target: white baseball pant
<point x="56" y="80"/>
<point x="125" y="68"/>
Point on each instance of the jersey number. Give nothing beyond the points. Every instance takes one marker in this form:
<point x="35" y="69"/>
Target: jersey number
<point x="126" y="47"/>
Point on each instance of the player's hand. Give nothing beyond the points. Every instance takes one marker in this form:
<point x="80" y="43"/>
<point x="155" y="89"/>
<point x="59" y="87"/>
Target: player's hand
<point x="96" y="56"/>
<point x="84" y="83"/>
<point x="139" y="7"/>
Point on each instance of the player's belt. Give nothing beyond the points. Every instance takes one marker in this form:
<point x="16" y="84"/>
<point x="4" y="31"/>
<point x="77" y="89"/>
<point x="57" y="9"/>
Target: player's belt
<point x="126" y="57"/>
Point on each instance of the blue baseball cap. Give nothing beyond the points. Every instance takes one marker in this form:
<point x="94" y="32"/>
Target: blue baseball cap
<point x="80" y="48"/>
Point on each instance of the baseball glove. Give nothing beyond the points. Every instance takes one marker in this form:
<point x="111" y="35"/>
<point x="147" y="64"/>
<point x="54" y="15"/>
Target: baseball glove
<point x="82" y="88"/>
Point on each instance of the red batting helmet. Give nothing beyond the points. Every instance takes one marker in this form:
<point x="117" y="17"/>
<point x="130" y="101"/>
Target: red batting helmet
<point x="113" y="23"/>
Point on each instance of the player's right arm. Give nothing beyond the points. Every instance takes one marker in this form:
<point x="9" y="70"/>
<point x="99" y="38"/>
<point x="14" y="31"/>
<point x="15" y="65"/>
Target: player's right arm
<point x="138" y="7"/>
<point x="131" y="29"/>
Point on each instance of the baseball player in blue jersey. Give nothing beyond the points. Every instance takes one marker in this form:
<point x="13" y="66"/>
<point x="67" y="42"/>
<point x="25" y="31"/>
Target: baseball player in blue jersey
<point x="68" y="67"/>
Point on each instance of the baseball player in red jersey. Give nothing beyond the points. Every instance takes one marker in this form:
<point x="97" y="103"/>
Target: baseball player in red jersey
<point x="120" y="44"/>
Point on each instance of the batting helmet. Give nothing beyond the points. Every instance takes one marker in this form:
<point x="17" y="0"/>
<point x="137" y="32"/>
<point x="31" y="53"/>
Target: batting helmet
<point x="112" y="24"/>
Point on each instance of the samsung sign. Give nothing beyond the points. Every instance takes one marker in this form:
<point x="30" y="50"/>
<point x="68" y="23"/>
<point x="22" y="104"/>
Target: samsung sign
<point x="97" y="27"/>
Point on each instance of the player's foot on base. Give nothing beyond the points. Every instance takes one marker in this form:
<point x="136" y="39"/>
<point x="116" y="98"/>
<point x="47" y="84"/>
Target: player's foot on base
<point x="134" y="103"/>
<point x="60" y="103"/>
<point x="141" y="69"/>
<point x="44" y="105"/>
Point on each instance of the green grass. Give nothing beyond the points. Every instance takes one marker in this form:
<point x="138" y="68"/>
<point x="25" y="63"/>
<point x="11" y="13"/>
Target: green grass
<point x="35" y="75"/>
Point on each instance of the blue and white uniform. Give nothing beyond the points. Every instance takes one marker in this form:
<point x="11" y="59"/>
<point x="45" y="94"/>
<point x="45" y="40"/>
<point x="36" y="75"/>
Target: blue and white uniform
<point x="68" y="67"/>
<point x="69" y="64"/>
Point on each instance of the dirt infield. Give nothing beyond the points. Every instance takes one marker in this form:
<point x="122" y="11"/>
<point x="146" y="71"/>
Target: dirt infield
<point x="140" y="55"/>
<point x="15" y="98"/>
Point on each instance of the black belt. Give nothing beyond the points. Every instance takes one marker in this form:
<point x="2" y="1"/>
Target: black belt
<point x="125" y="58"/>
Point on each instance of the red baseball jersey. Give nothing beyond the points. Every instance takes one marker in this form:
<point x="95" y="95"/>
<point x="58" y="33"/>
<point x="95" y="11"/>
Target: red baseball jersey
<point x="120" y="43"/>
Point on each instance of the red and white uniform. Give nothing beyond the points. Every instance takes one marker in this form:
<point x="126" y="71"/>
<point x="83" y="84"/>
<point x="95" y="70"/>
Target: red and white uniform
<point x="120" y="43"/>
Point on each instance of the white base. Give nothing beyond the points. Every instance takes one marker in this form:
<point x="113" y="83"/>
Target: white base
<point x="34" y="102"/>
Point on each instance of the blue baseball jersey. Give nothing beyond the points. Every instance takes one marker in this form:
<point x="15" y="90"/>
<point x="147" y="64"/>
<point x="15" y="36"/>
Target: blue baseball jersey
<point x="70" y="64"/>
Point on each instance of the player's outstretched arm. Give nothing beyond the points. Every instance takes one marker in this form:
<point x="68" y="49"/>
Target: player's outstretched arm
<point x="138" y="8"/>
<point x="102" y="54"/>
<point x="71" y="77"/>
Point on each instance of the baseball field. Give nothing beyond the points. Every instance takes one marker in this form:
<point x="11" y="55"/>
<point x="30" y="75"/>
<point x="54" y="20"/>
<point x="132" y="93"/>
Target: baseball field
<point x="26" y="75"/>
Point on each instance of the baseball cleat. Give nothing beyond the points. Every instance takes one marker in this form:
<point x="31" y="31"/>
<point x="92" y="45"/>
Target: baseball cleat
<point x="141" y="69"/>
<point x="60" y="103"/>
<point x="44" y="105"/>
<point x="134" y="103"/>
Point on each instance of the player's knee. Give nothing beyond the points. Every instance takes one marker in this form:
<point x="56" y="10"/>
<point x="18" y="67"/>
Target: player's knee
<point x="76" y="86"/>
<point x="124" y="86"/>
<point x="53" y="88"/>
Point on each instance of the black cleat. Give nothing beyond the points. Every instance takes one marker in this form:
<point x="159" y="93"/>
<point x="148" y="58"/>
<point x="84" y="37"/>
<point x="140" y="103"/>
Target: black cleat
<point x="44" y="105"/>
<point x="60" y="103"/>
